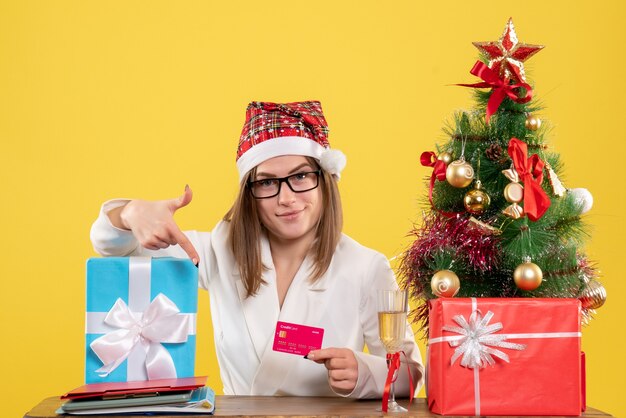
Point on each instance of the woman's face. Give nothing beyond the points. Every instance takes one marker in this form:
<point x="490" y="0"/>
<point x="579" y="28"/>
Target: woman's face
<point x="289" y="216"/>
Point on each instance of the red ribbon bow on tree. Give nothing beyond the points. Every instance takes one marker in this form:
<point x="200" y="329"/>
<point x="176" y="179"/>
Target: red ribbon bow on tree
<point x="530" y="170"/>
<point x="393" y="360"/>
<point x="501" y="87"/>
<point x="429" y="159"/>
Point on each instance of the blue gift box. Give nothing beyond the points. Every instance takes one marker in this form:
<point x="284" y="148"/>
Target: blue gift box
<point x="141" y="318"/>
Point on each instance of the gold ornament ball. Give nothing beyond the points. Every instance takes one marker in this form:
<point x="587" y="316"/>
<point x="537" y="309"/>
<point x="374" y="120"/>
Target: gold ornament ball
<point x="445" y="283"/>
<point x="528" y="276"/>
<point x="514" y="192"/>
<point x="446" y="157"/>
<point x="459" y="173"/>
<point x="532" y="123"/>
<point x="593" y="296"/>
<point x="476" y="201"/>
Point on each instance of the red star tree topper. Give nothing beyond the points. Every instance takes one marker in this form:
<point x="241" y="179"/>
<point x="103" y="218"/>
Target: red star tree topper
<point x="506" y="56"/>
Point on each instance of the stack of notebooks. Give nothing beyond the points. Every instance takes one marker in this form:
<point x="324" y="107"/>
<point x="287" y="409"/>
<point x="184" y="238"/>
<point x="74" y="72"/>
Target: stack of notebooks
<point x="164" y="396"/>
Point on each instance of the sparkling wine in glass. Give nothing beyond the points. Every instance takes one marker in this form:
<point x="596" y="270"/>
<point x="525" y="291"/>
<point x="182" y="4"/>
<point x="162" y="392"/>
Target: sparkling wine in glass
<point x="392" y="309"/>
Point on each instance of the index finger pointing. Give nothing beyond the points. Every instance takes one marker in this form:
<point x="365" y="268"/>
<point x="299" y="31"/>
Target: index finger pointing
<point x="182" y="240"/>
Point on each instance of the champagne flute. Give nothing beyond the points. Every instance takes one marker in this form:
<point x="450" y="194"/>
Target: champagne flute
<point x="392" y="310"/>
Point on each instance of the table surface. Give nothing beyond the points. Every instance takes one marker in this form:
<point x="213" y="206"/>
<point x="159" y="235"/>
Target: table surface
<point x="282" y="407"/>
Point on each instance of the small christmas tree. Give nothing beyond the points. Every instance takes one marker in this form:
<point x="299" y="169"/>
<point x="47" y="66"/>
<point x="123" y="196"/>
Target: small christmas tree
<point x="500" y="222"/>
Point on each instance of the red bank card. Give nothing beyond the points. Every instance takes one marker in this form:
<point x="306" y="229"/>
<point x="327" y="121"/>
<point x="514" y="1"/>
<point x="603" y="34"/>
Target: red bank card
<point x="296" y="338"/>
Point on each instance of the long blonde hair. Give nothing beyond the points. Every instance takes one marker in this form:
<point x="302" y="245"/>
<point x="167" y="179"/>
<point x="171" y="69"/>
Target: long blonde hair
<point x="246" y="229"/>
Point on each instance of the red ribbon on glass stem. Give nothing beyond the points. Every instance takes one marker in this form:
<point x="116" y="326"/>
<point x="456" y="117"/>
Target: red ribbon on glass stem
<point x="530" y="171"/>
<point x="393" y="360"/>
<point x="501" y="88"/>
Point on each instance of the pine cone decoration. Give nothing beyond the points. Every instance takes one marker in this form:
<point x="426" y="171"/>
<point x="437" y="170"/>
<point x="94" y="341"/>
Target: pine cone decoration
<point x="494" y="152"/>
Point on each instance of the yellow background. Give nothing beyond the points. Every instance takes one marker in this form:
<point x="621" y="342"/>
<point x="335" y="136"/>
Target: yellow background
<point x="102" y="99"/>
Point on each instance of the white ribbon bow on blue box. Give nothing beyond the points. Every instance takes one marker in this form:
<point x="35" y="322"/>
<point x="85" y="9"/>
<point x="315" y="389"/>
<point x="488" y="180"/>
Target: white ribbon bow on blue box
<point x="141" y="318"/>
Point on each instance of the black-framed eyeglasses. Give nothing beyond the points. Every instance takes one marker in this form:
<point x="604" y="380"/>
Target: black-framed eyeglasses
<point x="298" y="183"/>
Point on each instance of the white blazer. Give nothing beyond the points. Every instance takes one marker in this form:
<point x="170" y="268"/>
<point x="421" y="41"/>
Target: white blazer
<point x="342" y="302"/>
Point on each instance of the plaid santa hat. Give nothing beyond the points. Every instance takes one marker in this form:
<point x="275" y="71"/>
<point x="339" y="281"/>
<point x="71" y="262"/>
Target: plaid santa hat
<point x="275" y="129"/>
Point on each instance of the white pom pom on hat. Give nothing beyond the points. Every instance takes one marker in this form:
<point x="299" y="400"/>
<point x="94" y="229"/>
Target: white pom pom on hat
<point x="276" y="129"/>
<point x="333" y="161"/>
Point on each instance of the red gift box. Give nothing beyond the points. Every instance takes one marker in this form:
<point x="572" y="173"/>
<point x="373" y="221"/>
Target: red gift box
<point x="504" y="356"/>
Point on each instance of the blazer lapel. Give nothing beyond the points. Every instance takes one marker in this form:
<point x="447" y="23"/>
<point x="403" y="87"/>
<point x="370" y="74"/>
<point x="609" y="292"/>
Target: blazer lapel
<point x="261" y="311"/>
<point x="304" y="304"/>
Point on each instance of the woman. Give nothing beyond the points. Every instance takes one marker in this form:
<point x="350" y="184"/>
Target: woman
<point x="278" y="255"/>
